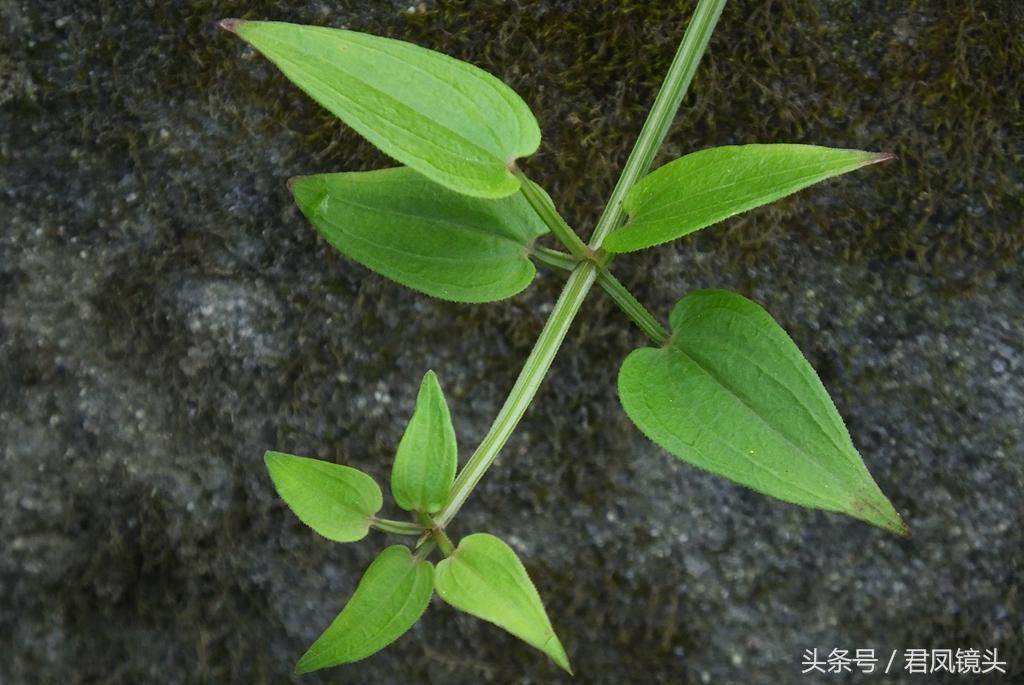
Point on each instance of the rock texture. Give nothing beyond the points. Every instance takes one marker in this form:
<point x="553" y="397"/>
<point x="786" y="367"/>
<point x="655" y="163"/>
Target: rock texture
<point x="166" y="316"/>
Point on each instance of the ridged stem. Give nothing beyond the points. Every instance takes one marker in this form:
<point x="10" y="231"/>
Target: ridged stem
<point x="630" y="306"/>
<point x="583" y="277"/>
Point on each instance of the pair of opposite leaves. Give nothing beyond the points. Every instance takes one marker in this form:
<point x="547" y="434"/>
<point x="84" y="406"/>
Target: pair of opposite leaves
<point x="482" y="577"/>
<point x="730" y="392"/>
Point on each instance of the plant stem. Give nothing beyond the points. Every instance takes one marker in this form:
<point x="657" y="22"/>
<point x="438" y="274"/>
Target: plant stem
<point x="435" y="532"/>
<point x="637" y="313"/>
<point x="423" y="551"/>
<point x="549" y="215"/>
<point x="632" y="307"/>
<point x="524" y="390"/>
<point x="443" y="541"/>
<point x="666" y="104"/>
<point x="585" y="273"/>
<point x="396" y="527"/>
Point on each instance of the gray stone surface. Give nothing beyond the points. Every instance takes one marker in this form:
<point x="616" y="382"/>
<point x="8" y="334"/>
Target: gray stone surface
<point x="166" y="315"/>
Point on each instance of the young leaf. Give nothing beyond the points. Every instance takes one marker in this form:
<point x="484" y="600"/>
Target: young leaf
<point x="449" y="120"/>
<point x="484" y="577"/>
<point x="708" y="186"/>
<point x="427" y="455"/>
<point x="732" y="394"/>
<point x="422" y="235"/>
<point x="335" y="501"/>
<point x="390" y="598"/>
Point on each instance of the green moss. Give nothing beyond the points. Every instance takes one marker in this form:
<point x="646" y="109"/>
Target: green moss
<point x="146" y="154"/>
<point x="942" y="89"/>
<point x="939" y="86"/>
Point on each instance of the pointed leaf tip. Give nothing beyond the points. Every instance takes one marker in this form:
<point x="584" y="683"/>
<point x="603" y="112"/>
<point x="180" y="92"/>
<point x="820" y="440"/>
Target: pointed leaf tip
<point x="731" y="393"/>
<point x="391" y="596"/>
<point x="451" y="121"/>
<point x="708" y="186"/>
<point x="881" y="513"/>
<point x="427" y="455"/>
<point x="485" y="578"/>
<point x="230" y="25"/>
<point x="901" y="528"/>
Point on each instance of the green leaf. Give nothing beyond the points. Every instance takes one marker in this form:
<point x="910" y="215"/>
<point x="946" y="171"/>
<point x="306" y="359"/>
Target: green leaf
<point x="403" y="226"/>
<point x="335" y="501"/>
<point x="731" y="393"/>
<point x="391" y="597"/>
<point x="485" y="578"/>
<point x="427" y="455"/>
<point x="708" y="186"/>
<point x="449" y="120"/>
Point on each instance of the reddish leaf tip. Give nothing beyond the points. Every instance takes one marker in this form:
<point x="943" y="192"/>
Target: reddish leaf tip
<point x="230" y="24"/>
<point x="886" y="157"/>
<point x="904" y="531"/>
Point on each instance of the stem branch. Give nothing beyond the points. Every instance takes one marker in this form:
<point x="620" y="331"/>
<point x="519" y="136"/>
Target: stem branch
<point x="659" y="120"/>
<point x="436" y="533"/>
<point x="637" y="313"/>
<point x="524" y="390"/>
<point x="585" y="273"/>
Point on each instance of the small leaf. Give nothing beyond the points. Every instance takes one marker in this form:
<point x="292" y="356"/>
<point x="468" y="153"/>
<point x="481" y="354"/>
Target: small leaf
<point x="390" y="598"/>
<point x="427" y="455"/>
<point x="403" y="226"/>
<point x="708" y="186"/>
<point x="449" y="120"/>
<point x="732" y="394"/>
<point x="485" y="578"/>
<point x="335" y="501"/>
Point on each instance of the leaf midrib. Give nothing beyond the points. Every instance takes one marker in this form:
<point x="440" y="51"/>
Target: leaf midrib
<point x="669" y="206"/>
<point x="399" y="105"/>
<point x="421" y="218"/>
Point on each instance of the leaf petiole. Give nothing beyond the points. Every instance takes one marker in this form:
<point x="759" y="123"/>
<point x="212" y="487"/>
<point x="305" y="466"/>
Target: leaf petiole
<point x="554" y="258"/>
<point x="550" y="216"/>
<point x="396" y="527"/>
<point x="637" y="313"/>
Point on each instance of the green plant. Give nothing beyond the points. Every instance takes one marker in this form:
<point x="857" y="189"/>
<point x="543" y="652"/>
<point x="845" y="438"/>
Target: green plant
<point x="726" y="390"/>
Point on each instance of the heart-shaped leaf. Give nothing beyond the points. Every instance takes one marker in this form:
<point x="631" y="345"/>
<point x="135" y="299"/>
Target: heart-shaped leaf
<point x="390" y="598"/>
<point x="485" y="578"/>
<point x="427" y="455"/>
<point x="708" y="186"/>
<point x="449" y="120"/>
<point x="335" y="501"/>
<point x="403" y="226"/>
<point x="731" y="393"/>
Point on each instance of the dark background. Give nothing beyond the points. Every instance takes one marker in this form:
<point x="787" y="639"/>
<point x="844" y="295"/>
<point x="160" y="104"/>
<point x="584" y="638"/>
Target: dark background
<point x="167" y="316"/>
